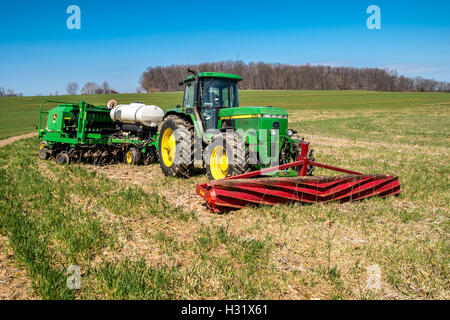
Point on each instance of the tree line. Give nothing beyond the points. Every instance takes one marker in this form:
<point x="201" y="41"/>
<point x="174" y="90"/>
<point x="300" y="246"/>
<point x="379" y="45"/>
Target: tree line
<point x="276" y="76"/>
<point x="9" y="93"/>
<point x="90" y="88"/>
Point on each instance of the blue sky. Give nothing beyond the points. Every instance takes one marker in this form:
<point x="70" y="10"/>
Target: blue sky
<point x="118" y="40"/>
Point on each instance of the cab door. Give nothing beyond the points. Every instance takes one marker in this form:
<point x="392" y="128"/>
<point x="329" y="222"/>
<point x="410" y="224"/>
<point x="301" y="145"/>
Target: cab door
<point x="215" y="94"/>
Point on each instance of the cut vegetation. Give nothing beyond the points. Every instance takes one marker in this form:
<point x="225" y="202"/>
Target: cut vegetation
<point x="136" y="234"/>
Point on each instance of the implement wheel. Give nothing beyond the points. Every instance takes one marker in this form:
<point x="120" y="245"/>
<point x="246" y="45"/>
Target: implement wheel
<point x="151" y="156"/>
<point x="43" y="150"/>
<point x="226" y="156"/>
<point x="62" y="158"/>
<point x="176" y="147"/>
<point x="133" y="156"/>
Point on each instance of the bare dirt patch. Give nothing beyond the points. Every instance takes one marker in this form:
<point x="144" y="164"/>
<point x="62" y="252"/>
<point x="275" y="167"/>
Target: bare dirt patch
<point x="10" y="140"/>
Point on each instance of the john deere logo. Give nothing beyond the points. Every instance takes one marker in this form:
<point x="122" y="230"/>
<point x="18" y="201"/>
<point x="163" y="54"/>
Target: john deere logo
<point x="54" y="117"/>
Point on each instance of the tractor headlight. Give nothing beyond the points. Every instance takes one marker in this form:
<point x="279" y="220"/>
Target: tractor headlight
<point x="290" y="132"/>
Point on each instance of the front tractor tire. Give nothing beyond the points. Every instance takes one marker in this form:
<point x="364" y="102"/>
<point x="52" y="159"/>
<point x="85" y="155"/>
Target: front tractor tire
<point x="226" y="156"/>
<point x="176" y="147"/>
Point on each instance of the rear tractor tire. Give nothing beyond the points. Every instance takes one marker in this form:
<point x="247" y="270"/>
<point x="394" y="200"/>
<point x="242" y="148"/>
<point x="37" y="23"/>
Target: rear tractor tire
<point x="133" y="156"/>
<point x="176" y="147"/>
<point x="226" y="156"/>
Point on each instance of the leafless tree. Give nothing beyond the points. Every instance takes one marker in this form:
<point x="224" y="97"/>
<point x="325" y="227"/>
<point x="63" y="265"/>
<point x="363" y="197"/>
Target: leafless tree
<point x="90" y="88"/>
<point x="94" y="88"/>
<point x="72" y="88"/>
<point x="106" y="88"/>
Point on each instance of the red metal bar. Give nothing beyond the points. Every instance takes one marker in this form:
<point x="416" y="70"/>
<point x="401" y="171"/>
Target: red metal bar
<point x="290" y="165"/>
<point x="325" y="166"/>
<point x="304" y="156"/>
<point x="264" y="171"/>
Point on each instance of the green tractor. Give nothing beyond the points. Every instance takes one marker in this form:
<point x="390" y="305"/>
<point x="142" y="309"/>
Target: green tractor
<point x="211" y="129"/>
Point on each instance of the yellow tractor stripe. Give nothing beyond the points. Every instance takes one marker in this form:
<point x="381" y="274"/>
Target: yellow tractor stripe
<point x="244" y="116"/>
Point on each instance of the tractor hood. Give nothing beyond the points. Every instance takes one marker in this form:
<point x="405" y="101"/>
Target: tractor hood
<point x="253" y="112"/>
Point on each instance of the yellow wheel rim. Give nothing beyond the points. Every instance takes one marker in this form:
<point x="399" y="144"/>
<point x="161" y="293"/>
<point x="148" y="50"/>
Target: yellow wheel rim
<point x="168" y="146"/>
<point x="218" y="163"/>
<point x="129" y="157"/>
<point x="42" y="146"/>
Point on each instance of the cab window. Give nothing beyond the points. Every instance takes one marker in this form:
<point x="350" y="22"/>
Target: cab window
<point x="188" y="100"/>
<point x="215" y="94"/>
<point x="219" y="93"/>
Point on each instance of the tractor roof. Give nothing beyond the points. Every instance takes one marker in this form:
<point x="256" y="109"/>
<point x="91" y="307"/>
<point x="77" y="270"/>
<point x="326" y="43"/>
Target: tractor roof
<point x="214" y="75"/>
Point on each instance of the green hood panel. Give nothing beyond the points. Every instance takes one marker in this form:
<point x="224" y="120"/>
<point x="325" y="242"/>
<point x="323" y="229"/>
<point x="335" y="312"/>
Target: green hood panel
<point x="242" y="111"/>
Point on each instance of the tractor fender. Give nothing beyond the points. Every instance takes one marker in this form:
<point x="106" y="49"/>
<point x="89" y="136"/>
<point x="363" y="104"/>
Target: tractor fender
<point x="181" y="114"/>
<point x="188" y="117"/>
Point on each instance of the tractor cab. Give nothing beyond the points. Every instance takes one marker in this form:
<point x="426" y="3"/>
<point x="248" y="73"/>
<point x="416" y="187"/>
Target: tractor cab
<point x="215" y="91"/>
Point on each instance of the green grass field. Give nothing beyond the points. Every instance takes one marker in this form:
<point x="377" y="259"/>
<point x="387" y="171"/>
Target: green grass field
<point x="21" y="113"/>
<point x="137" y="234"/>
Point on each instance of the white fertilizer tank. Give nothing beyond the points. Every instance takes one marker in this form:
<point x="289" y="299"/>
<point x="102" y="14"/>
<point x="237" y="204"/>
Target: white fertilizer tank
<point x="137" y="113"/>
